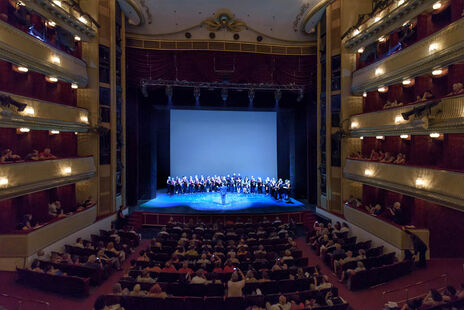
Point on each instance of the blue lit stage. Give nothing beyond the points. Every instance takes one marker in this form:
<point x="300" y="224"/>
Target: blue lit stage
<point x="210" y="203"/>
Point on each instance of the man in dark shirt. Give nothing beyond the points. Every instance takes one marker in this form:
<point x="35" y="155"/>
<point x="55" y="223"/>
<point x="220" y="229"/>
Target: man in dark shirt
<point x="419" y="248"/>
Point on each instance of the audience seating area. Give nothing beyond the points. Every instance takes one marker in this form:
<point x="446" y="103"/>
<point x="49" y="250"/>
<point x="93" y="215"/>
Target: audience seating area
<point x="84" y="263"/>
<point x="366" y="266"/>
<point x="199" y="277"/>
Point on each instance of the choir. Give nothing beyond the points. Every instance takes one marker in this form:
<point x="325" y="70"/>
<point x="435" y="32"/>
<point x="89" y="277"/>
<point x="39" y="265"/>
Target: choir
<point x="234" y="184"/>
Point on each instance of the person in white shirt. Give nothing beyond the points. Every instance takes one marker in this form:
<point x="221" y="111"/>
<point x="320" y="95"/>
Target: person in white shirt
<point x="324" y="284"/>
<point x="199" y="278"/>
<point x="282" y="305"/>
<point x="235" y="286"/>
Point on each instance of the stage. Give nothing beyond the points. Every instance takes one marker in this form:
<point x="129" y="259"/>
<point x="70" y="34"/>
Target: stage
<point x="210" y="203"/>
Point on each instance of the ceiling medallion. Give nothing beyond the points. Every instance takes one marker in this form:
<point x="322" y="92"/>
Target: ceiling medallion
<point x="224" y="19"/>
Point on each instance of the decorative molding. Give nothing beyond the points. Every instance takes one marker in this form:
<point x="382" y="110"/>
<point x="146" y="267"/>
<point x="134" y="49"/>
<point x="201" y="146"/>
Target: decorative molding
<point x="224" y="19"/>
<point x="132" y="12"/>
<point x="413" y="61"/>
<point x="442" y="187"/>
<point x="446" y="117"/>
<point x="26" y="244"/>
<point x="29" y="177"/>
<point x="391" y="18"/>
<point x="225" y="46"/>
<point x="23" y="49"/>
<point x="64" y="16"/>
<point x="46" y="116"/>
<point x="321" y="5"/>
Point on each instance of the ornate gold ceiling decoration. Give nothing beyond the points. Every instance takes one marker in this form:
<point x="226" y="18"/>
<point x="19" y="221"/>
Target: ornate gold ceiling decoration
<point x="224" y="19"/>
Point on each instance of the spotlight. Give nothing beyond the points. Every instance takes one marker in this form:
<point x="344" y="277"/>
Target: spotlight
<point x="82" y="19"/>
<point x="188" y="35"/>
<point x="398" y="119"/>
<point x="212" y="35"/>
<point x="3" y="181"/>
<point x="400" y="3"/>
<point x="420" y="182"/>
<point x="376" y="19"/>
<point x="67" y="170"/>
<point x="368" y="172"/>
<point x="361" y="138"/>
<point x="356" y="32"/>
<point x="354" y="125"/>
<point x="364" y="94"/>
<point x="236" y="36"/>
<point x="378" y="71"/>
<point x="57" y="3"/>
<point x="55" y="59"/>
<point x="251" y="96"/>
<point x="84" y="119"/>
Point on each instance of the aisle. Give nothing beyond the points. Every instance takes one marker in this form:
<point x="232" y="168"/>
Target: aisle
<point x="372" y="299"/>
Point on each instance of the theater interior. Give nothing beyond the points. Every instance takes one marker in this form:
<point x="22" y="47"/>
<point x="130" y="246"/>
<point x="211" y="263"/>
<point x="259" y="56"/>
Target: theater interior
<point x="311" y="150"/>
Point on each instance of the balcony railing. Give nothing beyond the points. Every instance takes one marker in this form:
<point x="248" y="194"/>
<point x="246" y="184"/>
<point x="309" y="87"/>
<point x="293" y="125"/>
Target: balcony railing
<point x="43" y="115"/>
<point x="26" y="244"/>
<point x="442" y="187"/>
<point x="25" y="50"/>
<point x="389" y="19"/>
<point x="66" y="16"/>
<point x="438" y="50"/>
<point x="23" y="178"/>
<point x="445" y="117"/>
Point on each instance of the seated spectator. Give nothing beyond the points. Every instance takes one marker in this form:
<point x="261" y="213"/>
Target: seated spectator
<point x="277" y="221"/>
<point x="8" y="156"/>
<point x="376" y="210"/>
<point x="339" y="263"/>
<point x="34" y="155"/>
<point x="349" y="272"/>
<point x="324" y="283"/>
<point x="79" y="243"/>
<point x="233" y="259"/>
<point x="92" y="262"/>
<point x="449" y="294"/>
<point x="137" y="291"/>
<point x="287" y="256"/>
<point x="426" y="96"/>
<point x="345" y="228"/>
<point x="296" y="304"/>
<point x="203" y="260"/>
<point x="388" y="158"/>
<point x="185" y="269"/>
<point x="163" y="233"/>
<point x="168" y="268"/>
<point x="396" y="213"/>
<point x="214" y="278"/>
<point x="192" y="252"/>
<point x="51" y="270"/>
<point x="145" y="277"/>
<point x="218" y="268"/>
<point x="250" y="277"/>
<point x="143" y="257"/>
<point x="102" y="257"/>
<point x="332" y="300"/>
<point x="27" y="223"/>
<point x="265" y="277"/>
<point x="156" y="291"/>
<point x="338" y="250"/>
<point x="458" y="89"/>
<point x="54" y="209"/>
<point x="374" y="156"/>
<point x="120" y="254"/>
<point x="260" y="250"/>
<point x="234" y="286"/>
<point x="118" y="291"/>
<point x="433" y="298"/>
<point x="400" y="159"/>
<point x="242" y="251"/>
<point x="199" y="277"/>
<point x="35" y="266"/>
<point x="281" y="305"/>
<point x="47" y="154"/>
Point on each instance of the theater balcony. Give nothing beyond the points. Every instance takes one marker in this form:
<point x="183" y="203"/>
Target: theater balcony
<point x="18" y="179"/>
<point x="435" y="51"/>
<point x="25" y="243"/>
<point x="25" y="50"/>
<point x="65" y="16"/>
<point x="444" y="115"/>
<point x="43" y="115"/>
<point x="387" y="231"/>
<point x="443" y="187"/>
<point x="389" y="19"/>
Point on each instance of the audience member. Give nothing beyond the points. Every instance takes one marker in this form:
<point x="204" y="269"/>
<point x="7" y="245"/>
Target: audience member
<point x="47" y="154"/>
<point x="235" y="286"/>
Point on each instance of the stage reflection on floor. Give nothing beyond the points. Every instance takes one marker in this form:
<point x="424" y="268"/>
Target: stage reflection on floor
<point x="211" y="203"/>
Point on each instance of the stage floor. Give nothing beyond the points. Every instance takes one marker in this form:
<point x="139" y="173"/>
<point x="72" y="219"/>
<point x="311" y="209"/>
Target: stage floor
<point x="208" y="203"/>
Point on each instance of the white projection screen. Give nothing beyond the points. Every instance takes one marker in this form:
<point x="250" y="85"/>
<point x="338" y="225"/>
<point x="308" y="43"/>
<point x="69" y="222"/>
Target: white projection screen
<point x="206" y="142"/>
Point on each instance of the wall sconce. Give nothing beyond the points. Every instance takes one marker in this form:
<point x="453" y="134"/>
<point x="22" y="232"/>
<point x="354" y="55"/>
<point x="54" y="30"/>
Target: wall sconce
<point x="84" y="118"/>
<point x="382" y="89"/>
<point x="29" y="111"/>
<point x="436" y="135"/>
<point x="376" y="19"/>
<point x="368" y="172"/>
<point x="361" y="138"/>
<point x="55" y="59"/>
<point x="82" y="19"/>
<point x="54" y="132"/>
<point x="398" y="119"/>
<point x="3" y="181"/>
<point x="354" y="125"/>
<point x="74" y="86"/>
<point x="20" y="69"/>
<point x="50" y="24"/>
<point x="400" y="3"/>
<point x="23" y="130"/>
<point x="77" y="38"/>
<point x="355" y="32"/>
<point x="57" y="2"/>
<point x="378" y="71"/>
<point x="405" y="137"/>
<point x="436" y="5"/>
<point x="420" y="182"/>
<point x="380" y="137"/>
<point x="361" y="50"/>
<point x="433" y="47"/>
<point x="51" y="79"/>
<point x="364" y="94"/>
<point x="382" y="39"/>
<point x="67" y="170"/>
<point x="439" y="72"/>
<point x="408" y="82"/>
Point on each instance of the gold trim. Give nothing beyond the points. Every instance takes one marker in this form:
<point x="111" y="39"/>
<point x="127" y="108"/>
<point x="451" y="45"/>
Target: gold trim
<point x="224" y="46"/>
<point x="313" y="12"/>
<point x="137" y="10"/>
